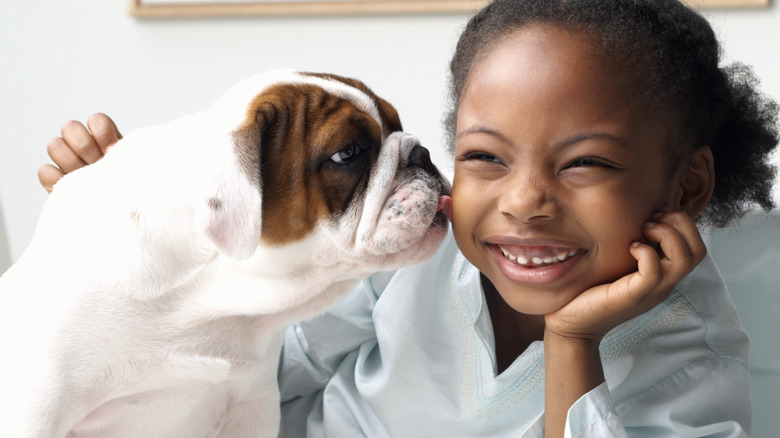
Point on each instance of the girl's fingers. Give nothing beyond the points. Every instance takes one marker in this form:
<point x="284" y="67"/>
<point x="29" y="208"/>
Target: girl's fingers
<point x="690" y="233"/>
<point x="104" y="131"/>
<point x="680" y="243"/>
<point x="80" y="141"/>
<point x="77" y="147"/>
<point x="64" y="155"/>
<point x="48" y="175"/>
<point x="643" y="284"/>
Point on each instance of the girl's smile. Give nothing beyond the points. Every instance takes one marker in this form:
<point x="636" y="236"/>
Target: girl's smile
<point x="558" y="166"/>
<point x="535" y="256"/>
<point x="535" y="264"/>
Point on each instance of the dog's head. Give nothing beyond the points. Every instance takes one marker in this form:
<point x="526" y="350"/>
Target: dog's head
<point x="323" y="161"/>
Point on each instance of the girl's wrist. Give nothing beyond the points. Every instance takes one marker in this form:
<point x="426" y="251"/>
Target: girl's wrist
<point x="573" y="343"/>
<point x="572" y="369"/>
<point x="577" y="357"/>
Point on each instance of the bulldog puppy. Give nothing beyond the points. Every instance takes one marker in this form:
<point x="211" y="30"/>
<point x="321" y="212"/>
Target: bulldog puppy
<point x="154" y="295"/>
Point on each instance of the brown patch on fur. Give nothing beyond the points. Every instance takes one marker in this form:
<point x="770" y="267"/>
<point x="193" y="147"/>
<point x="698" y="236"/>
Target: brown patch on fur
<point x="215" y="204"/>
<point x="292" y="130"/>
<point x="390" y="118"/>
<point x="247" y="150"/>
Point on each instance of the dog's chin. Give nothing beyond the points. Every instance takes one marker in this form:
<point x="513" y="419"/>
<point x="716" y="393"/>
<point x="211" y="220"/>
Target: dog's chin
<point x="422" y="249"/>
<point x="400" y="240"/>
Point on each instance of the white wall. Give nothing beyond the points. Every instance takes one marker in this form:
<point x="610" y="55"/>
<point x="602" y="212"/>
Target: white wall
<point x="5" y="255"/>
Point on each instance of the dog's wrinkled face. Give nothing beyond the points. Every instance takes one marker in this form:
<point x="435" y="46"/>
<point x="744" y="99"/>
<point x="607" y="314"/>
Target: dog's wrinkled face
<point x="334" y="163"/>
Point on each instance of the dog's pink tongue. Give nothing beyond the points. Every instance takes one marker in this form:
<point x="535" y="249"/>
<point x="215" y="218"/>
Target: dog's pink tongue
<point x="445" y="206"/>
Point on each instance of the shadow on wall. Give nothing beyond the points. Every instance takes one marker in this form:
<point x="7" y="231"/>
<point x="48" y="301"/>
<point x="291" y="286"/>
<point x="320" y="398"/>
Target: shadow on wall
<point x="5" y="254"/>
<point x="748" y="256"/>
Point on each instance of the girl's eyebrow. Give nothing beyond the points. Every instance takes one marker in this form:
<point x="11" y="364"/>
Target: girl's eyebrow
<point x="479" y="129"/>
<point x="596" y="135"/>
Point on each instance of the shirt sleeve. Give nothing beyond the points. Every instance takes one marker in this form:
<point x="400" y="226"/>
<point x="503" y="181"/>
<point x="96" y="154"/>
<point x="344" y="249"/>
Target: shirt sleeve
<point x="313" y="351"/>
<point x="708" y="398"/>
<point x="594" y="415"/>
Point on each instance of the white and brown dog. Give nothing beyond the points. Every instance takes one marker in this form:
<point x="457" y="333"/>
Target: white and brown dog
<point x="153" y="297"/>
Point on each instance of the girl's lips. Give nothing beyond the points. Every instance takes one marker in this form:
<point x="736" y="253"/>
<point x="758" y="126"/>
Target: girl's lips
<point x="535" y="264"/>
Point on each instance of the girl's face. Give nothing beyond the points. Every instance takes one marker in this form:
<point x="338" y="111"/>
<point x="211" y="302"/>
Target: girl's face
<point x="558" y="166"/>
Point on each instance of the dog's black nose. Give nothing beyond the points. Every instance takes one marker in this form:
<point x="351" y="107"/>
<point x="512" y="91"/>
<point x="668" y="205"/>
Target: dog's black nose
<point x="420" y="157"/>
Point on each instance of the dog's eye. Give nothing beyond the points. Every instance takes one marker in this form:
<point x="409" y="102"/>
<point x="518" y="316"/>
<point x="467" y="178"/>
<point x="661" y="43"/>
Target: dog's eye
<point x="346" y="155"/>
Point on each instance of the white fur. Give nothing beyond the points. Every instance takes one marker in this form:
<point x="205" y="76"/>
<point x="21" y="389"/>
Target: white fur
<point x="138" y="311"/>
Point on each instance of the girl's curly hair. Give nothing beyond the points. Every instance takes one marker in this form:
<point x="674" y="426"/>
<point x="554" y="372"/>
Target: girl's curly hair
<point x="677" y="58"/>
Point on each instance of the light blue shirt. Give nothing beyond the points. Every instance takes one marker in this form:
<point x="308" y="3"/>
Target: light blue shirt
<point x="411" y="354"/>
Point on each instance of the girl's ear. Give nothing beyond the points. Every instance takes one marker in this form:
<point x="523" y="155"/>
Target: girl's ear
<point x="696" y="182"/>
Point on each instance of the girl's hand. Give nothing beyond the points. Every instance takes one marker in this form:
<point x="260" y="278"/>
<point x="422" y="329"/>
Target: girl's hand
<point x="77" y="147"/>
<point x="572" y="333"/>
<point x="588" y="317"/>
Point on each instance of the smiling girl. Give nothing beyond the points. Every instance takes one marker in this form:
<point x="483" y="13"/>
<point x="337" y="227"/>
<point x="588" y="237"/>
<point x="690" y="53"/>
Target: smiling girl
<point x="587" y="136"/>
<point x="576" y="297"/>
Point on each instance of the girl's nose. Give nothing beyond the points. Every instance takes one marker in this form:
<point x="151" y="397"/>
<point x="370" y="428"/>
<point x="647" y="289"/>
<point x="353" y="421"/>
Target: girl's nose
<point x="528" y="199"/>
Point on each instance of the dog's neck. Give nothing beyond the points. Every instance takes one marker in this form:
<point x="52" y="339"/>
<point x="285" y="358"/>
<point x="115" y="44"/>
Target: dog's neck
<point x="282" y="283"/>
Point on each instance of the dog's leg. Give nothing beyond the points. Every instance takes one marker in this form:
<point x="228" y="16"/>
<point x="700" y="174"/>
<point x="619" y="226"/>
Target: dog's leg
<point x="254" y="410"/>
<point x="258" y="417"/>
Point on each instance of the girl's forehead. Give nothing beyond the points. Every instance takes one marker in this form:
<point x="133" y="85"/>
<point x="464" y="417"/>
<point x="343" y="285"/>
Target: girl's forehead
<point x="549" y="56"/>
<point x="563" y="45"/>
<point x="542" y="85"/>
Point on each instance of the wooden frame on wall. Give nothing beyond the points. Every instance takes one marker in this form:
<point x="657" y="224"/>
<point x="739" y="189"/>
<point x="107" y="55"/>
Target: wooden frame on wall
<point x="215" y="8"/>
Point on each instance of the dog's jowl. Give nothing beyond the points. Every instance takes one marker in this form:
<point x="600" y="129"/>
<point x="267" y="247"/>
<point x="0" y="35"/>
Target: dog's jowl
<point x="153" y="297"/>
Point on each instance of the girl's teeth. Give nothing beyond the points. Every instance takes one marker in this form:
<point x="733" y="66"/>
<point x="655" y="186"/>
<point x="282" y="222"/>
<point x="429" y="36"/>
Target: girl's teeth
<point x="522" y="260"/>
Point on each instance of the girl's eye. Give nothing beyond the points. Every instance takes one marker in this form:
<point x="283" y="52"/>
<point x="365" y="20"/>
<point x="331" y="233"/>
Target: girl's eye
<point x="346" y="155"/>
<point x="481" y="156"/>
<point x="589" y="162"/>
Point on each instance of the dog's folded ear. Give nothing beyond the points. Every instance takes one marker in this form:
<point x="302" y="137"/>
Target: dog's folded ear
<point x="233" y="218"/>
<point x="234" y="210"/>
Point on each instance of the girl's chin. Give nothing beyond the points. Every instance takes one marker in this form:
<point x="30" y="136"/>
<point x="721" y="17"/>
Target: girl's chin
<point x="521" y="302"/>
